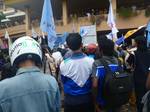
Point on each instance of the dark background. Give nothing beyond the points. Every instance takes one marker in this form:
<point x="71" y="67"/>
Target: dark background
<point x="80" y="7"/>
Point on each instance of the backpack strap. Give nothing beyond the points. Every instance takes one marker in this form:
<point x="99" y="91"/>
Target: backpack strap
<point x="107" y="75"/>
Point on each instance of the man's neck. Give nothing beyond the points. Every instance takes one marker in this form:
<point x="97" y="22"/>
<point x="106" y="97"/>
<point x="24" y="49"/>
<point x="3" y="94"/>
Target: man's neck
<point x="77" y="51"/>
<point x="27" y="64"/>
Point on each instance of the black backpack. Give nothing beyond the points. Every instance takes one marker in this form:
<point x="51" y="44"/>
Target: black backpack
<point x="116" y="87"/>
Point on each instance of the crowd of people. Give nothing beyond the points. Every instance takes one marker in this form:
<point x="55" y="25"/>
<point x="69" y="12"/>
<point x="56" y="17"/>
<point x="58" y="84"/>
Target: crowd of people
<point x="99" y="77"/>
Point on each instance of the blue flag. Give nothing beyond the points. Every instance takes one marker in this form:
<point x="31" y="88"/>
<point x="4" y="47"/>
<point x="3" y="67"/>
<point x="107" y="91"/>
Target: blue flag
<point x="148" y="35"/>
<point x="148" y="39"/>
<point x="47" y="23"/>
<point x="120" y="40"/>
<point x="148" y="27"/>
<point x="61" y="39"/>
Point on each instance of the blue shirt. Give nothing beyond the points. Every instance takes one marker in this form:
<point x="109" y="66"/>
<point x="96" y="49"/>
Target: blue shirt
<point x="29" y="91"/>
<point x="99" y="72"/>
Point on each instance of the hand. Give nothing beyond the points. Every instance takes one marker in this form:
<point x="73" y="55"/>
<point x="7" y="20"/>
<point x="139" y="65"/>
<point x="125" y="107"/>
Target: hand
<point x="47" y="55"/>
<point x="50" y="59"/>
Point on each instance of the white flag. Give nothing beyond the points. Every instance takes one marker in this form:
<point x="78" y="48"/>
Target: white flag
<point x="114" y="30"/>
<point x="8" y="38"/>
<point x="6" y="35"/>
<point x="109" y="36"/>
<point x="111" y="20"/>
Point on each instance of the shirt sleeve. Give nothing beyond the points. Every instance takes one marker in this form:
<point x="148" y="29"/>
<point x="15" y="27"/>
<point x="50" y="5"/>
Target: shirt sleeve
<point x="94" y="70"/>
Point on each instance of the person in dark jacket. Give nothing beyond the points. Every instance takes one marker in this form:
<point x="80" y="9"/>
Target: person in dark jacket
<point x="107" y="49"/>
<point x="146" y="98"/>
<point x="141" y="65"/>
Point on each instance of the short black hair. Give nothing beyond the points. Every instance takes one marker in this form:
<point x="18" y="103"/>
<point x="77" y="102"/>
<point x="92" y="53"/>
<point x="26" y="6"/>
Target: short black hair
<point x="141" y="43"/>
<point x="106" y="46"/>
<point x="74" y="41"/>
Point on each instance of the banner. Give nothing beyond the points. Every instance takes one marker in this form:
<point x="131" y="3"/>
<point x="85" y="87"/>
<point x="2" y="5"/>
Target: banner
<point x="88" y="34"/>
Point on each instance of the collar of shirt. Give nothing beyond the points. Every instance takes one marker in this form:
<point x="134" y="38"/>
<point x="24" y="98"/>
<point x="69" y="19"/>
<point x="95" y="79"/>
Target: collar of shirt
<point x="27" y="70"/>
<point x="78" y="55"/>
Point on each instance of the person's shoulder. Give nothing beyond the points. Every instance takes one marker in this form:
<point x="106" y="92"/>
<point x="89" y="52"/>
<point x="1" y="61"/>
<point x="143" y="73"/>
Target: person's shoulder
<point x="51" y="81"/>
<point x="97" y="62"/>
<point x="9" y="81"/>
<point x="49" y="77"/>
<point x="109" y="60"/>
<point x="65" y="61"/>
<point x="5" y="82"/>
<point x="89" y="59"/>
<point x="7" y="86"/>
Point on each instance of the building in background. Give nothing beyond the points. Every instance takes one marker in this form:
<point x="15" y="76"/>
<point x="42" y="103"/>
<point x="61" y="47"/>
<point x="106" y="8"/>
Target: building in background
<point x="69" y="15"/>
<point x="12" y="21"/>
<point x="1" y="4"/>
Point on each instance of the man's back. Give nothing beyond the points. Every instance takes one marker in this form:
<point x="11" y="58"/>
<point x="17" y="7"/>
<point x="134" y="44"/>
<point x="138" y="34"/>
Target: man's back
<point x="99" y="72"/>
<point x="29" y="91"/>
<point x="142" y="64"/>
<point x="76" y="77"/>
<point x="77" y="70"/>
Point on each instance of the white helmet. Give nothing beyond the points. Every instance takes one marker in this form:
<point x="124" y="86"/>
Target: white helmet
<point x="25" y="48"/>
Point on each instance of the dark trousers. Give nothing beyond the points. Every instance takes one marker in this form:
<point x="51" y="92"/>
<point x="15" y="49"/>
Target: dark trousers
<point x="118" y="109"/>
<point x="140" y="92"/>
<point x="86" y="107"/>
<point x="139" y="104"/>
